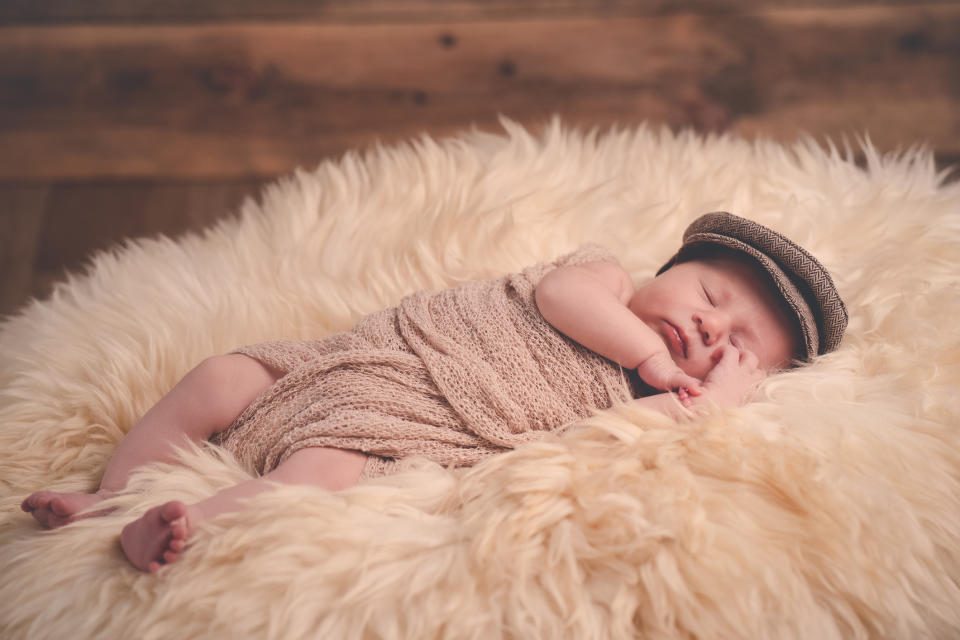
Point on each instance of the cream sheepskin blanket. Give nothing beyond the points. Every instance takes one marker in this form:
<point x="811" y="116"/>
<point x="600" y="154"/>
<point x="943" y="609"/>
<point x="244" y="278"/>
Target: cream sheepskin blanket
<point x="829" y="508"/>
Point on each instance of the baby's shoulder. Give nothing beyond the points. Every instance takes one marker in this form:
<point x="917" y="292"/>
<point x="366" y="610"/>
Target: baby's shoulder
<point x="587" y="252"/>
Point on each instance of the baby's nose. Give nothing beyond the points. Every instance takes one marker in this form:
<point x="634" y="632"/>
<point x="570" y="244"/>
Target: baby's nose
<point x="712" y="328"/>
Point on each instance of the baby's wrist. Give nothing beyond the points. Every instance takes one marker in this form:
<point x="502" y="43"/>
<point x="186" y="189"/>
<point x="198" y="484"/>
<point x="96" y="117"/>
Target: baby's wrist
<point x="654" y="361"/>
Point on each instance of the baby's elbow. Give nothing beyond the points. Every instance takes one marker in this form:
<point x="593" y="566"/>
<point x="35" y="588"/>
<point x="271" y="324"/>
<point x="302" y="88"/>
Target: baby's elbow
<point x="556" y="296"/>
<point x="547" y="295"/>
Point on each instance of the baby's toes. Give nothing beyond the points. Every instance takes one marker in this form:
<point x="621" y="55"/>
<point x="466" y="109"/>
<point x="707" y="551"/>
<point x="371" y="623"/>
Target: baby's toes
<point x="172" y="511"/>
<point x="36" y="501"/>
<point x="178" y="532"/>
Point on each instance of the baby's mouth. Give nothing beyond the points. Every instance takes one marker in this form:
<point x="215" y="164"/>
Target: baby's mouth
<point x="677" y="339"/>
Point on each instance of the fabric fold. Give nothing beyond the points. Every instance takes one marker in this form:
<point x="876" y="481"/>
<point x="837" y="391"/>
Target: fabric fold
<point x="453" y="375"/>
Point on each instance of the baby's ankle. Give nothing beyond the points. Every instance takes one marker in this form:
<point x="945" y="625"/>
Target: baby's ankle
<point x="195" y="514"/>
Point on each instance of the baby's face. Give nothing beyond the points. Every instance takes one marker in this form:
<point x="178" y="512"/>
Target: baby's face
<point x="697" y="307"/>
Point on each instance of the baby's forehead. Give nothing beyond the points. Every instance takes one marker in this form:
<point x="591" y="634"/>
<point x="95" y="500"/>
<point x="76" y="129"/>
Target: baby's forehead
<point x="732" y="265"/>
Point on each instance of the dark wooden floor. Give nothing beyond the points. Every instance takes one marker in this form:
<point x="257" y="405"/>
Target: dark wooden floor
<point x="130" y="118"/>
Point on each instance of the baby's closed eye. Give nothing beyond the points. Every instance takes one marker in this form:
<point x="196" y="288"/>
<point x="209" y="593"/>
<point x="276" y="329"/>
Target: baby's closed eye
<point x="706" y="294"/>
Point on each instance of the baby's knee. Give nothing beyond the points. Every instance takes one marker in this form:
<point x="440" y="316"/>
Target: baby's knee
<point x="226" y="384"/>
<point x="332" y="469"/>
<point x="236" y="369"/>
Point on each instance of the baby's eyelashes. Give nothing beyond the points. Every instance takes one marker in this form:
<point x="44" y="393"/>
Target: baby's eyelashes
<point x="707" y="296"/>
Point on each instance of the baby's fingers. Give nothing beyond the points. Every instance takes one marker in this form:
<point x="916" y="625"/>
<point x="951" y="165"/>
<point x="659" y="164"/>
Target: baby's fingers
<point x="691" y="385"/>
<point x="684" y="397"/>
<point x="728" y="354"/>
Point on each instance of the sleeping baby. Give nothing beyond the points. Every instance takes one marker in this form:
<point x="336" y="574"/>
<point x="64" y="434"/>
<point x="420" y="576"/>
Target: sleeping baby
<point x="471" y="371"/>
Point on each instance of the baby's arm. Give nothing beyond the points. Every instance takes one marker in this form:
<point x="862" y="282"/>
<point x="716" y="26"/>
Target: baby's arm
<point x="588" y="303"/>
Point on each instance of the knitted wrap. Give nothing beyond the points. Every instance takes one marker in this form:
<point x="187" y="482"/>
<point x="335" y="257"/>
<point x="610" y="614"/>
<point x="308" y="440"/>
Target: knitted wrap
<point x="454" y="376"/>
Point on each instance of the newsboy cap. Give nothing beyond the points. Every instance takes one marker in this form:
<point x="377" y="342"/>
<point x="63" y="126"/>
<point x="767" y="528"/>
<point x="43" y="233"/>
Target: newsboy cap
<point x="801" y="280"/>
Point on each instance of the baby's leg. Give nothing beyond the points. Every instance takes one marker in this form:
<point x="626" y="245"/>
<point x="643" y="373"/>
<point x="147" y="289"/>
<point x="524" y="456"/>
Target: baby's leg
<point x="205" y="401"/>
<point x="160" y="535"/>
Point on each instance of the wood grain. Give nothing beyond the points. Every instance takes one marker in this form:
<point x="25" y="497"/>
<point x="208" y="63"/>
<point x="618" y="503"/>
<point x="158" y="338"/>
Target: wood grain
<point x="49" y="229"/>
<point x="237" y="100"/>
<point x="380" y="11"/>
<point x="82" y="218"/>
<point x="21" y="220"/>
<point x="131" y="118"/>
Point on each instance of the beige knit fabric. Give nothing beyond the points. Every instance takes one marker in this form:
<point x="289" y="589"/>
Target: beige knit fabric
<point x="454" y="376"/>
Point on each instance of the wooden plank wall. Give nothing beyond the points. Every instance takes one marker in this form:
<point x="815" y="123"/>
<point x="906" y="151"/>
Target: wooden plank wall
<point x="128" y="118"/>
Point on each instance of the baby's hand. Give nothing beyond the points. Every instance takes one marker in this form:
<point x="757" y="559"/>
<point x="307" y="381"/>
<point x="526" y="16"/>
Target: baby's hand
<point x="732" y="378"/>
<point x="661" y="372"/>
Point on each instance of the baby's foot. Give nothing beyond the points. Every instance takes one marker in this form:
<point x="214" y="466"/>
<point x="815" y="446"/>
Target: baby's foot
<point x="158" y="537"/>
<point x="53" y="509"/>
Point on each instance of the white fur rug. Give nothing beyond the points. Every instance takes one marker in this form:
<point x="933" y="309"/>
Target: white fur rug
<point x="830" y="508"/>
